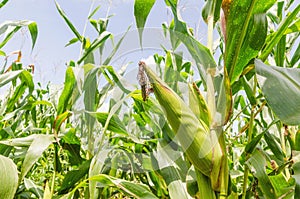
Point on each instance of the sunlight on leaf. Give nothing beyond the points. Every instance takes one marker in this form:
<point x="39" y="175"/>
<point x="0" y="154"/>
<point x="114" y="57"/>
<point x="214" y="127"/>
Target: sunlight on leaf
<point x="8" y="177"/>
<point x="35" y="151"/>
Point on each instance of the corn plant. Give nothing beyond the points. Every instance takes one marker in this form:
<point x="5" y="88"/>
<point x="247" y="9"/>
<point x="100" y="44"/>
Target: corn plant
<point x="190" y="127"/>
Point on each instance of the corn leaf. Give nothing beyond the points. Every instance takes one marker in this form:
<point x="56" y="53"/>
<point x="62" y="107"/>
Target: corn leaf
<point x="95" y="45"/>
<point x="3" y="3"/>
<point x="96" y="165"/>
<point x="37" y="147"/>
<point x="212" y="8"/>
<point x="114" y="125"/>
<point x="274" y="38"/>
<point x="67" y="20"/>
<point x="245" y="33"/>
<point x="257" y="164"/>
<point x="172" y="167"/>
<point x="281" y="87"/>
<point x="8" y="77"/>
<point x="283" y="188"/>
<point x="132" y="189"/>
<point x="66" y="95"/>
<point x="19" y="142"/>
<point x="296" y="56"/>
<point x="202" y="56"/>
<point x="15" y="26"/>
<point x="296" y="176"/>
<point x="8" y="177"/>
<point x="33" y="29"/>
<point x="32" y="187"/>
<point x="142" y="9"/>
<point x="295" y="27"/>
<point x="73" y="176"/>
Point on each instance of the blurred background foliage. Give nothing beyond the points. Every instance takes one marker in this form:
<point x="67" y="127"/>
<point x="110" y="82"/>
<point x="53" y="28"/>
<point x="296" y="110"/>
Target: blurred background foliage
<point x="225" y="127"/>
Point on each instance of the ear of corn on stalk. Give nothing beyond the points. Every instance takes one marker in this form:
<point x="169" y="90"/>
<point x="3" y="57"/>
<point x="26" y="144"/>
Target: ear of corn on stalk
<point x="199" y="144"/>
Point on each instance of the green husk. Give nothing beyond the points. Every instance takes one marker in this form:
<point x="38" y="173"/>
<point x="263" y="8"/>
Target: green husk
<point x="198" y="104"/>
<point x="199" y="144"/>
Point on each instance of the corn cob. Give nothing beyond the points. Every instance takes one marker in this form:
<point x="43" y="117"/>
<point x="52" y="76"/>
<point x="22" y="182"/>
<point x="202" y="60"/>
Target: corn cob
<point x="199" y="144"/>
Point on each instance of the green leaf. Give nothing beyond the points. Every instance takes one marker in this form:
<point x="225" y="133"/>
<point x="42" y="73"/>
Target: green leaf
<point x="9" y="36"/>
<point x="69" y="23"/>
<point x="212" y="8"/>
<point x="281" y="88"/>
<point x="173" y="169"/>
<point x="283" y="188"/>
<point x="8" y="177"/>
<point x="2" y="53"/>
<point x="72" y="177"/>
<point x="38" y="146"/>
<point x="275" y="146"/>
<point x="251" y="146"/>
<point x="177" y="189"/>
<point x="249" y="91"/>
<point x="257" y="163"/>
<point x="253" y="43"/>
<point x="280" y="52"/>
<point x="59" y="120"/>
<point x="204" y="186"/>
<point x="142" y="9"/>
<point x="11" y="27"/>
<point x="97" y="164"/>
<point x="33" y="29"/>
<point x="32" y="187"/>
<point x="274" y="38"/>
<point x="131" y="188"/>
<point x="246" y="28"/>
<point x="66" y="94"/>
<point x="8" y="77"/>
<point x="12" y="24"/>
<point x="202" y="56"/>
<point x="115" y="48"/>
<point x="115" y="77"/>
<point x="19" y="142"/>
<point x="17" y="95"/>
<point x="297" y="141"/>
<point x="26" y="82"/>
<point x="296" y="176"/>
<point x="115" y="124"/>
<point x="3" y="3"/>
<point x="96" y="44"/>
<point x="90" y="95"/>
<point x="72" y="41"/>
<point x="94" y="12"/>
<point x="295" y="27"/>
<point x="224" y="104"/>
<point x="296" y="56"/>
<point x="26" y="77"/>
<point x="191" y="182"/>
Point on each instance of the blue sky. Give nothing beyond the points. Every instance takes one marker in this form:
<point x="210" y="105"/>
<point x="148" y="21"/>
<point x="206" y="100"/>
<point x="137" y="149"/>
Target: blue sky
<point x="50" y="54"/>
